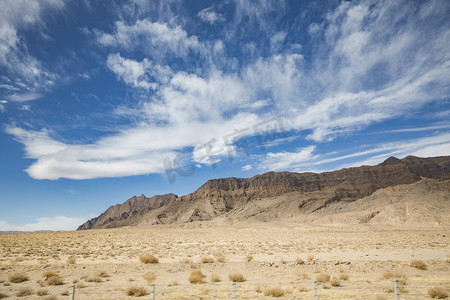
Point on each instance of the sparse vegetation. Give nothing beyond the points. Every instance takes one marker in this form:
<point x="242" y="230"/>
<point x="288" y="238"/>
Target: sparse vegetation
<point x="274" y="292"/>
<point x="80" y="285"/>
<point x="42" y="293"/>
<point x="94" y="279"/>
<point x="299" y="261"/>
<point x="103" y="274"/>
<point x="323" y="277"/>
<point x="207" y="260"/>
<point x="148" y="259"/>
<point x="344" y="276"/>
<point x="437" y="293"/>
<point x="221" y="258"/>
<point x="136" y="291"/>
<point x="249" y="257"/>
<point x="215" y="277"/>
<point x="71" y="260"/>
<point x="393" y="274"/>
<point x="236" y="277"/>
<point x="150" y="277"/>
<point x="334" y="282"/>
<point x="418" y="264"/>
<point x="18" y="278"/>
<point x="22" y="292"/>
<point x="196" y="276"/>
<point x="48" y="274"/>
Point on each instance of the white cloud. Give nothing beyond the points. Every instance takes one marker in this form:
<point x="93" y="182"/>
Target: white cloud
<point x="156" y="39"/>
<point x="45" y="223"/>
<point x="16" y="15"/>
<point x="210" y="16"/>
<point x="138" y="74"/>
<point x="287" y="160"/>
<point x="24" y="97"/>
<point x="304" y="160"/>
<point x="247" y="168"/>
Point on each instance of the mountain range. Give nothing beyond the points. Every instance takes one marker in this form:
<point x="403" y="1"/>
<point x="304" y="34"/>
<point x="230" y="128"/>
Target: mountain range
<point x="411" y="190"/>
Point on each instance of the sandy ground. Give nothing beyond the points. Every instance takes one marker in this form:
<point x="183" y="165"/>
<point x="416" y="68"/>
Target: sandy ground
<point x="106" y="262"/>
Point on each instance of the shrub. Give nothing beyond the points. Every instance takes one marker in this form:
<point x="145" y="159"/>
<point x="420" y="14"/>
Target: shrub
<point x="150" y="277"/>
<point x="299" y="261"/>
<point x="344" y="276"/>
<point x="393" y="274"/>
<point x="249" y="258"/>
<point x="418" y="264"/>
<point x="335" y="282"/>
<point x="94" y="279"/>
<point x="221" y="258"/>
<point x="71" y="260"/>
<point x="437" y="293"/>
<point x="148" y="259"/>
<point x="80" y="285"/>
<point x="54" y="280"/>
<point x="215" y="277"/>
<point x="103" y="274"/>
<point x="274" y="292"/>
<point x="236" y="277"/>
<point x="323" y="277"/>
<point x="42" y="292"/>
<point x="18" y="278"/>
<point x="207" y="260"/>
<point x="24" y="292"/>
<point x="48" y="274"/>
<point x="196" y="276"/>
<point x="136" y="291"/>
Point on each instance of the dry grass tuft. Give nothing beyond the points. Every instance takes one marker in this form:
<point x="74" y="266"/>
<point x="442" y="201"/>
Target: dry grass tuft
<point x="215" y="278"/>
<point x="150" y="277"/>
<point x="148" y="259"/>
<point x="173" y="283"/>
<point x="94" y="279"/>
<point x="418" y="264"/>
<point x="274" y="292"/>
<point x="437" y="293"/>
<point x="334" y="282"/>
<point x="71" y="260"/>
<point x="236" y="277"/>
<point x="48" y="274"/>
<point x="196" y="276"/>
<point x="221" y="258"/>
<point x="323" y="277"/>
<point x="305" y="276"/>
<point x="18" y="278"/>
<point x="103" y="274"/>
<point x="51" y="297"/>
<point x="80" y="285"/>
<point x="42" y="293"/>
<point x="299" y="261"/>
<point x="207" y="260"/>
<point x="249" y="258"/>
<point x="344" y="276"/>
<point x="136" y="291"/>
<point x="54" y="280"/>
<point x="310" y="258"/>
<point x="24" y="292"/>
<point x="393" y="274"/>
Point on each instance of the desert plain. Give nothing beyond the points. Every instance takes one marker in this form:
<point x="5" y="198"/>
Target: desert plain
<point x="266" y="259"/>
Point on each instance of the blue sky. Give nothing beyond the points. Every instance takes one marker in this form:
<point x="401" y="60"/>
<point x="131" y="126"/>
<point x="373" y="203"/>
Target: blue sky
<point x="103" y="100"/>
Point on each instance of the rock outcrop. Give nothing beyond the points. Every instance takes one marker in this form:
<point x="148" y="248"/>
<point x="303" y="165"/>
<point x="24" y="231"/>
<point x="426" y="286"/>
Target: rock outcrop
<point x="278" y="195"/>
<point x="127" y="213"/>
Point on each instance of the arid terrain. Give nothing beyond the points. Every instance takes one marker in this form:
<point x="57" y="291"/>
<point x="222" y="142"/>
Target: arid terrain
<point x="274" y="258"/>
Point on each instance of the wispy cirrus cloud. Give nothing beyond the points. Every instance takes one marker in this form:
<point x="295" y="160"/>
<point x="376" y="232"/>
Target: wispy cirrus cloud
<point x="210" y="16"/>
<point x="25" y="73"/>
<point x="367" y="62"/>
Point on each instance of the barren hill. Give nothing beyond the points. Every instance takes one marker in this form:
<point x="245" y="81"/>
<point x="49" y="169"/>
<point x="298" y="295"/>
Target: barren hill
<point x="305" y="197"/>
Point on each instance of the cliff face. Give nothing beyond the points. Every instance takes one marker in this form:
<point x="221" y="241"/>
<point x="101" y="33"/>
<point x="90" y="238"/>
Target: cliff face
<point x="128" y="212"/>
<point x="284" y="194"/>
